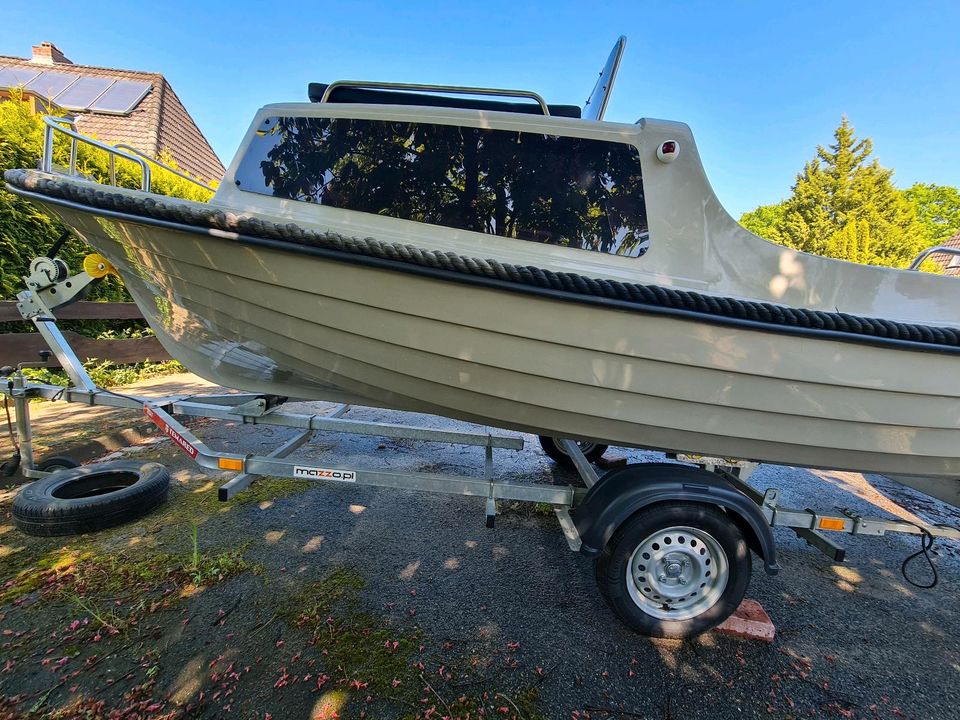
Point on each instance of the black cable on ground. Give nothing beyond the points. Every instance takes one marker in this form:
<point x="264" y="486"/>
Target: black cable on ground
<point x="926" y="543"/>
<point x="8" y="468"/>
<point x="13" y="436"/>
<point x="133" y="398"/>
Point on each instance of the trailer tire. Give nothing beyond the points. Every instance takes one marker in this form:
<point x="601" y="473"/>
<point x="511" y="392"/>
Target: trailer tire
<point x="56" y="463"/>
<point x="591" y="450"/>
<point x="663" y="551"/>
<point x="89" y="498"/>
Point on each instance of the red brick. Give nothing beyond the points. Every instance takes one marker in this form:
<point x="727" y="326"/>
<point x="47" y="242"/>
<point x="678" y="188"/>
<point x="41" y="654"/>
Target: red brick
<point x="608" y="462"/>
<point x="749" y="621"/>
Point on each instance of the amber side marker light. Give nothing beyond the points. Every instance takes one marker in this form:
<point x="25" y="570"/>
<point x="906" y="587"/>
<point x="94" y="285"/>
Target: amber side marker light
<point x="831" y="524"/>
<point x="230" y="464"/>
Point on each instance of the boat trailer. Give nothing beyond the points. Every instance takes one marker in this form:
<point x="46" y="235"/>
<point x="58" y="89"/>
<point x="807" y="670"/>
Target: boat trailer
<point x="590" y="518"/>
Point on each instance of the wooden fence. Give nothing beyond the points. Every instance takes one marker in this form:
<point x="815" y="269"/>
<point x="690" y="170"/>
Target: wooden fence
<point x="23" y="347"/>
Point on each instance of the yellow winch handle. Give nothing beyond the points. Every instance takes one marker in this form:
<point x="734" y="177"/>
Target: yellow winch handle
<point x="97" y="266"/>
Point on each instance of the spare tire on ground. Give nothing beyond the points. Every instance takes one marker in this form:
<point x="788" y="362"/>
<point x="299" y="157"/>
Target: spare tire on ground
<point x="92" y="497"/>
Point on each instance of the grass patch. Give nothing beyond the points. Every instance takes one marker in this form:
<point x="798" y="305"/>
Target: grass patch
<point x="195" y="504"/>
<point x="97" y="597"/>
<point x="265" y="489"/>
<point x="36" y="574"/>
<point x="71" y="573"/>
<point x="373" y="668"/>
<point x="119" y="576"/>
<point x="361" y="653"/>
<point x="339" y="584"/>
<point x="108" y="562"/>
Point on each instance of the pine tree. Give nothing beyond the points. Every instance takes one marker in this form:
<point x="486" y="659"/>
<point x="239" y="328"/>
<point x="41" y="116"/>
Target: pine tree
<point x="845" y="205"/>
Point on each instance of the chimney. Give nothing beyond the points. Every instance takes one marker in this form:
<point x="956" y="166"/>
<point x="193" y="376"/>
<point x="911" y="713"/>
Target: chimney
<point x="46" y="53"/>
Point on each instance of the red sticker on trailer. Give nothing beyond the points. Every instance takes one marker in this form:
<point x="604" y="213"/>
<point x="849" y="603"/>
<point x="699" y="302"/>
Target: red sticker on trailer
<point x="170" y="432"/>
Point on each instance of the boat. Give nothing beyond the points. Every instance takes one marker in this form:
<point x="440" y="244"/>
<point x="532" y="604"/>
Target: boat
<point x="481" y="254"/>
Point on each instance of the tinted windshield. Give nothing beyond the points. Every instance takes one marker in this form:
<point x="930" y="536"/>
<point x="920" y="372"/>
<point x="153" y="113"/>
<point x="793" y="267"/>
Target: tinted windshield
<point x="568" y="191"/>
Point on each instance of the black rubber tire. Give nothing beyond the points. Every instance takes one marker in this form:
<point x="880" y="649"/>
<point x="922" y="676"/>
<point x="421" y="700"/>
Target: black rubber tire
<point x="57" y="462"/>
<point x="593" y="452"/>
<point x="611" y="566"/>
<point x="92" y="497"/>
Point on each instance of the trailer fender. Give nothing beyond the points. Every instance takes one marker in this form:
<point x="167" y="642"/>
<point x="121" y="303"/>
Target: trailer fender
<point x="622" y="492"/>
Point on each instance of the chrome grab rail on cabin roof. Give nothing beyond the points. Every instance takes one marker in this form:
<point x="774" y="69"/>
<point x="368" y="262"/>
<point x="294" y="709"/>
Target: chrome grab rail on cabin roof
<point x="915" y="265"/>
<point x="449" y="89"/>
<point x="56" y="124"/>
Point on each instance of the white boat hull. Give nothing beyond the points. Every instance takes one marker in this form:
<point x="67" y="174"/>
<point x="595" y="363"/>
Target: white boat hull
<point x="276" y="321"/>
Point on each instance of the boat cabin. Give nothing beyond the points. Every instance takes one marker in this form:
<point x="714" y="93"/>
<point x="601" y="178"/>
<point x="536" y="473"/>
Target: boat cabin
<point x="560" y="189"/>
<point x="472" y="171"/>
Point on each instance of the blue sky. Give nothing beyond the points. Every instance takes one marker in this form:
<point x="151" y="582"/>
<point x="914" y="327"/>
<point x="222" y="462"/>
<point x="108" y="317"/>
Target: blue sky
<point x="760" y="83"/>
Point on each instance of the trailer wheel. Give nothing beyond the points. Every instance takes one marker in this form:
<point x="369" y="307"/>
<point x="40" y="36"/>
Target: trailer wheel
<point x="84" y="499"/>
<point x="57" y="462"/>
<point x="675" y="569"/>
<point x="591" y="450"/>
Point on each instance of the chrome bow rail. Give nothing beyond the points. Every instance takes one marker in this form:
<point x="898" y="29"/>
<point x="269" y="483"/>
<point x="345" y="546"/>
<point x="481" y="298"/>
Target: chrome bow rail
<point x="67" y="126"/>
<point x="168" y="168"/>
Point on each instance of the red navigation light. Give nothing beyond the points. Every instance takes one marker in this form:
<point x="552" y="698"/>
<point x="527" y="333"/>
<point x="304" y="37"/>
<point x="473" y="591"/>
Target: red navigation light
<point x="668" y="151"/>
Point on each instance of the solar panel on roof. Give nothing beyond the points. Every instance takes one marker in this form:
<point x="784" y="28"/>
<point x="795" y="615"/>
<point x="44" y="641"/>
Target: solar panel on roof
<point x="14" y="77"/>
<point x="122" y="97"/>
<point x="51" y="84"/>
<point x="83" y="92"/>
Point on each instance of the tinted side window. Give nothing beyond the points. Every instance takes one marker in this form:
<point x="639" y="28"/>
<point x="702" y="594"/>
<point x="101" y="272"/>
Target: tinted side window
<point x="567" y="191"/>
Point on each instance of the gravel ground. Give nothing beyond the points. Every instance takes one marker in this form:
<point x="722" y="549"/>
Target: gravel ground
<point x="852" y="638"/>
<point x="518" y="609"/>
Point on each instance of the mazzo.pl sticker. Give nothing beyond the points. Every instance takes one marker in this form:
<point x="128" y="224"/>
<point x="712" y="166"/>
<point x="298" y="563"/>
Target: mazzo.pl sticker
<point x="315" y="473"/>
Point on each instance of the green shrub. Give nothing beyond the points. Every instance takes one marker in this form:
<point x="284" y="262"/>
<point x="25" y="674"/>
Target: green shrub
<point x="107" y="374"/>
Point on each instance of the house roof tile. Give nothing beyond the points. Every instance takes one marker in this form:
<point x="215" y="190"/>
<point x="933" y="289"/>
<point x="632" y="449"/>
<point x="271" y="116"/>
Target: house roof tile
<point x="949" y="263"/>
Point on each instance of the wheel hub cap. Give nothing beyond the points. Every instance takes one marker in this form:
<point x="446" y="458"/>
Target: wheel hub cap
<point x="677" y="573"/>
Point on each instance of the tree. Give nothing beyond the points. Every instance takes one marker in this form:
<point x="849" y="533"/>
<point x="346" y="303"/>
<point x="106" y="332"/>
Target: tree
<point x="845" y="205"/>
<point x="766" y="221"/>
<point x="938" y="208"/>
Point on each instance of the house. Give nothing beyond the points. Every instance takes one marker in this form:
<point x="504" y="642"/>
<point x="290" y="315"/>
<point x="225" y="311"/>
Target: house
<point x="949" y="263"/>
<point x="117" y="106"/>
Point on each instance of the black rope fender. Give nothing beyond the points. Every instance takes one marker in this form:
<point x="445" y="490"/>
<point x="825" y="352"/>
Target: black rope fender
<point x="205" y="216"/>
